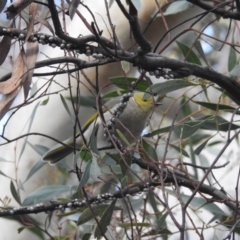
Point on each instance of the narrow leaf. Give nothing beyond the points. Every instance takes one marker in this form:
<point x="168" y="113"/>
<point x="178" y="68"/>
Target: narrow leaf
<point x="168" y="86"/>
<point x="87" y="214"/>
<point x="6" y="102"/>
<point x="36" y="167"/>
<point x="86" y="175"/>
<point x="125" y="83"/>
<point x="29" y="127"/>
<point x="198" y="150"/>
<point x="177" y="7"/>
<point x="95" y="171"/>
<point x="105" y="220"/>
<point x="73" y="7"/>
<point x="181" y="150"/>
<point x="2" y="4"/>
<point x="232" y="57"/>
<point x="5" y="45"/>
<point x="16" y="7"/>
<point x="45" y="193"/>
<point x="189" y="54"/>
<point x="14" y="193"/>
<point x="66" y="106"/>
<point x="217" y="106"/>
<point x="18" y="75"/>
<point x="149" y="153"/>
<point x="45" y="23"/>
<point x="198" y="47"/>
<point x="31" y="55"/>
<point x="157" y="132"/>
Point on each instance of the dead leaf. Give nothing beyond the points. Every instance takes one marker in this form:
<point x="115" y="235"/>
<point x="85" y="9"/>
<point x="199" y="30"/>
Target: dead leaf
<point x="2" y="4"/>
<point x="45" y="23"/>
<point x="19" y="74"/>
<point x="16" y="7"/>
<point x="32" y="14"/>
<point x="31" y="55"/>
<point x="6" y="102"/>
<point x="73" y="7"/>
<point x="5" y="45"/>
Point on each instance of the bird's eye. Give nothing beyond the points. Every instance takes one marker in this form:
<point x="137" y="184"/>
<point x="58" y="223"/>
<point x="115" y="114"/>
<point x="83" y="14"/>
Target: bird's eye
<point x="145" y="100"/>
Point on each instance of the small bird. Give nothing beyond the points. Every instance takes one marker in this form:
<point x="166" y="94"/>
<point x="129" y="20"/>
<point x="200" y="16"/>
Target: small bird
<point x="128" y="114"/>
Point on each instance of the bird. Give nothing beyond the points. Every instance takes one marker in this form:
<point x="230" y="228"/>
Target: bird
<point x="127" y="114"/>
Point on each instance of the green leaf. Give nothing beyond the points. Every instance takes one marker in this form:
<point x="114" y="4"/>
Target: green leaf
<point x="150" y="153"/>
<point x="86" y="236"/>
<point x="168" y="86"/>
<point x="232" y="58"/>
<point x="153" y="232"/>
<point x="3" y="174"/>
<point x="38" y="165"/>
<point x="128" y="225"/>
<point x="66" y="106"/>
<point x="40" y="149"/>
<point x="95" y="171"/>
<point x="189" y="54"/>
<point x="86" y="101"/>
<point x="86" y="175"/>
<point x="181" y="150"/>
<point x="122" y="137"/>
<point x="198" y="47"/>
<point x="105" y="220"/>
<point x="29" y="127"/>
<point x="162" y="221"/>
<point x="216" y="123"/>
<point x="157" y="132"/>
<point x="234" y="73"/>
<point x="177" y="7"/>
<point x="153" y="204"/>
<point x="113" y="94"/>
<point x="199" y="203"/>
<point x="125" y="83"/>
<point x="188" y="128"/>
<point x="14" y="193"/>
<point x="45" y="193"/>
<point x="45" y="102"/>
<point x="125" y="66"/>
<point x="33" y="229"/>
<point x="186" y="109"/>
<point x="198" y="150"/>
<point x="98" y="210"/>
<point x="216" y="106"/>
<point x="93" y="140"/>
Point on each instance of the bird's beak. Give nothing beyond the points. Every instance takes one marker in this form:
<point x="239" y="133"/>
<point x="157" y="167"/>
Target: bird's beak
<point x="157" y="104"/>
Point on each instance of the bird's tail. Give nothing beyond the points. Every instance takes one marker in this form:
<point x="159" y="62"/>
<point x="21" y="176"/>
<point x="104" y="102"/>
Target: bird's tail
<point x="59" y="151"/>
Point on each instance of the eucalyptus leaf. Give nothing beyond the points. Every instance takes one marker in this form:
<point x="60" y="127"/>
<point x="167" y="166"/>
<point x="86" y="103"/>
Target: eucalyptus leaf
<point x="14" y="193"/>
<point x="86" y="175"/>
<point x="232" y="57"/>
<point x="45" y="193"/>
<point x="177" y="7"/>
<point x="181" y="150"/>
<point x="189" y="54"/>
<point x="149" y="153"/>
<point x="95" y="171"/>
<point x="198" y="150"/>
<point x="36" y="167"/>
<point x="29" y="127"/>
<point x="216" y="106"/>
<point x="87" y="214"/>
<point x="105" y="220"/>
<point x="168" y="86"/>
<point x="125" y="83"/>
